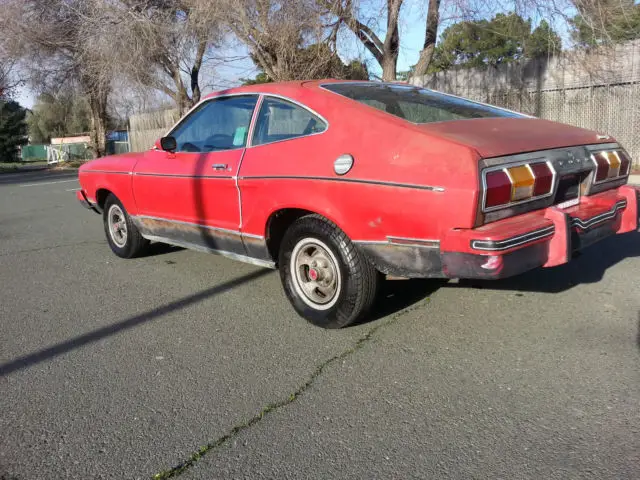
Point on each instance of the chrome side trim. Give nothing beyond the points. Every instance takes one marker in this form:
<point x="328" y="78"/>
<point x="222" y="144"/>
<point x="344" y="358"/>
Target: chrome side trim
<point x="107" y="171"/>
<point x="346" y="180"/>
<point x="252" y="235"/>
<point x="172" y="175"/>
<point x="490" y="245"/>
<point x="295" y="102"/>
<point x="402" y="242"/>
<point x="603" y="217"/>
<point x="231" y="255"/>
<point x="252" y="126"/>
<point x="414" y="242"/>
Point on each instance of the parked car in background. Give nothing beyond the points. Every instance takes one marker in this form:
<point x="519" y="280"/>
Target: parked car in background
<point x="338" y="183"/>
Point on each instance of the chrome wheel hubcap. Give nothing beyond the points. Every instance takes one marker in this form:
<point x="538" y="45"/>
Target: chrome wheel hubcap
<point x="316" y="276"/>
<point x="117" y="225"/>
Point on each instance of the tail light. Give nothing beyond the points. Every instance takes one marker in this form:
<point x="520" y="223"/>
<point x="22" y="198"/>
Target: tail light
<point x="517" y="184"/>
<point x="611" y="165"/>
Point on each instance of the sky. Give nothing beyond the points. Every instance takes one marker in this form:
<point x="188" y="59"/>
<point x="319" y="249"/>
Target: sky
<point x="224" y="73"/>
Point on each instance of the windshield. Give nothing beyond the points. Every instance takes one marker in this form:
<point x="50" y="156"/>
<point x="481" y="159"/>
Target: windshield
<point x="417" y="105"/>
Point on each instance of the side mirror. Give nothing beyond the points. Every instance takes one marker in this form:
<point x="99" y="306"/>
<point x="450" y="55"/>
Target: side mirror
<point x="168" y="144"/>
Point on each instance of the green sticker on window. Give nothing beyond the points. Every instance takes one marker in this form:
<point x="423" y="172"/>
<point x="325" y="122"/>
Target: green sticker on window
<point x="240" y="136"/>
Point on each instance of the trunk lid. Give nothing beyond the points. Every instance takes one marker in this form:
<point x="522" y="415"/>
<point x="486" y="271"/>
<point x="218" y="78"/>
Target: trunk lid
<point x="495" y="137"/>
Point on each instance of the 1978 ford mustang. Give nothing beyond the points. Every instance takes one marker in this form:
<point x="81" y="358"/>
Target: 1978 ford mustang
<point x="337" y="183"/>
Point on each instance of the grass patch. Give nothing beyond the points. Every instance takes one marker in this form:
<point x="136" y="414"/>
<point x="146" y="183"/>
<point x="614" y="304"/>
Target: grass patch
<point x="7" y="167"/>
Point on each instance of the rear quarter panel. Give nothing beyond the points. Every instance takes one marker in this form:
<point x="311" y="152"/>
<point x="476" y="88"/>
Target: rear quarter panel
<point x="298" y="173"/>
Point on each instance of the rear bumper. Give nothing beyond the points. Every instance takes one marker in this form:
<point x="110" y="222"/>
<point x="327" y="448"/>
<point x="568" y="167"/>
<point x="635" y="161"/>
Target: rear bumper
<point x="85" y="202"/>
<point x="544" y="238"/>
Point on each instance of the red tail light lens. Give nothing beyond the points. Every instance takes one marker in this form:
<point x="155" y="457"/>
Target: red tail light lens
<point x="517" y="184"/>
<point x="611" y="165"/>
<point x="498" y="189"/>
<point x="544" y="179"/>
<point x="602" y="166"/>
<point x="625" y="162"/>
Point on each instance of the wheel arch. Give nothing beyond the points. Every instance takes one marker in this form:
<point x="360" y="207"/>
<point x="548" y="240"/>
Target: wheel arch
<point x="101" y="196"/>
<point x="279" y="221"/>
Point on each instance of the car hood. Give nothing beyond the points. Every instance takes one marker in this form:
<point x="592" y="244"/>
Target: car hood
<point x="122" y="163"/>
<point x="495" y="137"/>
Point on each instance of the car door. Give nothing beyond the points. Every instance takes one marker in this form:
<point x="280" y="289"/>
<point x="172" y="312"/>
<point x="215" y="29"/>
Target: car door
<point x="287" y="147"/>
<point x="190" y="195"/>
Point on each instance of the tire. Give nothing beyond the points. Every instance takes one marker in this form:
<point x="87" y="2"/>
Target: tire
<point x="336" y="291"/>
<point x="124" y="238"/>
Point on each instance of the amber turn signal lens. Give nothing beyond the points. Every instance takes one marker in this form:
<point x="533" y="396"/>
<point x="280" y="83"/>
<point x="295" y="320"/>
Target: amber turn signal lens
<point x="522" y="182"/>
<point x="614" y="165"/>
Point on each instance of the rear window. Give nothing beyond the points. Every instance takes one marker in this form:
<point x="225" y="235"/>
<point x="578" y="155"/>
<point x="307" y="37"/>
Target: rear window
<point x="415" y="104"/>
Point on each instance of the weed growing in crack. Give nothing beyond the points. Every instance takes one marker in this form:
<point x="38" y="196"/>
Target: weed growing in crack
<point x="180" y="468"/>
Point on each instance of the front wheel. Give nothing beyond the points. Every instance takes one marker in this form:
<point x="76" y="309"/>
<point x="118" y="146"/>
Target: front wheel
<point x="122" y="235"/>
<point x="327" y="279"/>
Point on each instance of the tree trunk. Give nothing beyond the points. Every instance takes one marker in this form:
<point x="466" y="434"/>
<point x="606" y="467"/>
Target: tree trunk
<point x="98" y="106"/>
<point x="196" y="94"/>
<point x="391" y="42"/>
<point x="426" y="54"/>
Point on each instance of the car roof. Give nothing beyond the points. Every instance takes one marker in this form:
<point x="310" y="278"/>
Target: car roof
<point x="293" y="85"/>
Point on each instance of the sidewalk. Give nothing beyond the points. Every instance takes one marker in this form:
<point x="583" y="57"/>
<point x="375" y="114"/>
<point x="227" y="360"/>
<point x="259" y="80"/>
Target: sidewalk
<point x="634" y="179"/>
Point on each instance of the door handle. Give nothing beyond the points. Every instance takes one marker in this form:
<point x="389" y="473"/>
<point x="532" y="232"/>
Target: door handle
<point x="219" y="166"/>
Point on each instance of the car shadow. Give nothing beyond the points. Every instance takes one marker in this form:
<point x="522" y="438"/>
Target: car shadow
<point x="98" y="334"/>
<point x="589" y="267"/>
<point x="638" y="336"/>
<point x="397" y="295"/>
<point x="157" y="249"/>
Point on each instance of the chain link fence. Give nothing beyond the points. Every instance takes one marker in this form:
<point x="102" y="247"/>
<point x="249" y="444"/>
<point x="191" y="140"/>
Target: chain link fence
<point x="598" y="90"/>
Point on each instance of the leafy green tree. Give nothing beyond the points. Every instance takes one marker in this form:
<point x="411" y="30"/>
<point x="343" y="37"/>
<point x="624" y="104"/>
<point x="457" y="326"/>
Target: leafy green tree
<point x="543" y="42"/>
<point x="504" y="38"/>
<point x="65" y="113"/>
<point x="259" y="78"/>
<point x="315" y="61"/>
<point x="605" y="21"/>
<point x="13" y="130"/>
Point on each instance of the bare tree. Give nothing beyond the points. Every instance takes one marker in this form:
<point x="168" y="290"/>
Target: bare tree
<point x="385" y="51"/>
<point x="286" y="39"/>
<point x="50" y="39"/>
<point x="431" y="36"/>
<point x="160" y="44"/>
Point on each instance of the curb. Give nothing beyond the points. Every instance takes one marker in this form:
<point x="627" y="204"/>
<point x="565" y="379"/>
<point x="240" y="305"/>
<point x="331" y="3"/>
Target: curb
<point x="22" y="170"/>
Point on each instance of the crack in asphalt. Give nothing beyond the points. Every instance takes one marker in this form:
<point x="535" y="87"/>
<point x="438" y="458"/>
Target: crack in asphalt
<point x="271" y="407"/>
<point x="52" y="247"/>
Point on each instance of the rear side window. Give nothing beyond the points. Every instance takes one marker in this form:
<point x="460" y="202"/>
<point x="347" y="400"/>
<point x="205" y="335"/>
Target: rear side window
<point x="282" y="120"/>
<point x="415" y="104"/>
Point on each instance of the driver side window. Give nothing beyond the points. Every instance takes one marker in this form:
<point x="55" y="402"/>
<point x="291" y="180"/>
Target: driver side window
<point x="219" y="124"/>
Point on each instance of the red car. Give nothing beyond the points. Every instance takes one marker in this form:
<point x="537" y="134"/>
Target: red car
<point x="338" y="183"/>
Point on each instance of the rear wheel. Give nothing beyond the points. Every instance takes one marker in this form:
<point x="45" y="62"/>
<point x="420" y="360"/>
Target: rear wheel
<point x="122" y="235"/>
<point x="328" y="280"/>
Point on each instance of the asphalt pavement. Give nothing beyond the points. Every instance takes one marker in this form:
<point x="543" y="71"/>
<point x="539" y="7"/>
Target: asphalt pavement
<point x="192" y="365"/>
